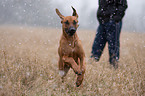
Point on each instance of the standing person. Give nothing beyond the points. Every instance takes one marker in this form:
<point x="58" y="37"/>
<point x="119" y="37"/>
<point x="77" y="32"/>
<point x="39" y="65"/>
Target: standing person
<point x="109" y="15"/>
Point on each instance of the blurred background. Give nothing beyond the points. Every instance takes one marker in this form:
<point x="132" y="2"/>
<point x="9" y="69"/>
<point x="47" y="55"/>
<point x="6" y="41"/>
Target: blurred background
<point x="42" y="13"/>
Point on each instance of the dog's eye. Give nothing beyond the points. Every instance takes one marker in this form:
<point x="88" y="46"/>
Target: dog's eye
<point x="74" y="22"/>
<point x="66" y="22"/>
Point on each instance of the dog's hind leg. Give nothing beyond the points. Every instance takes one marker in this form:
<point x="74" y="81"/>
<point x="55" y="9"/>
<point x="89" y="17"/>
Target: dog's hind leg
<point x="63" y="69"/>
<point x="66" y="69"/>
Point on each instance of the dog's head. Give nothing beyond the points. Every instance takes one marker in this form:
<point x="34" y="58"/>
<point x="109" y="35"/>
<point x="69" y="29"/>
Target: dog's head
<point x="69" y="23"/>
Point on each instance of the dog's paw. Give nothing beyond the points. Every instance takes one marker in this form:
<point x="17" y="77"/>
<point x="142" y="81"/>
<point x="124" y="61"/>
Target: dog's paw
<point x="61" y="73"/>
<point x="78" y="83"/>
<point x="78" y="73"/>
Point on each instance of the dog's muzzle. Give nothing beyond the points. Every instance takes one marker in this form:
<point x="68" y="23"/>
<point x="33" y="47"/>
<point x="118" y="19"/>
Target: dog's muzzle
<point x="71" y="31"/>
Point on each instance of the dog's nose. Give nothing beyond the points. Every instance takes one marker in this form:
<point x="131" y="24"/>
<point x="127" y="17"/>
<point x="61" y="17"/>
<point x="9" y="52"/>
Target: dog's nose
<point x="72" y="29"/>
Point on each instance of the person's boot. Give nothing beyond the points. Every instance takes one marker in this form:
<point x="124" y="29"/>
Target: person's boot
<point x="96" y="58"/>
<point x="114" y="62"/>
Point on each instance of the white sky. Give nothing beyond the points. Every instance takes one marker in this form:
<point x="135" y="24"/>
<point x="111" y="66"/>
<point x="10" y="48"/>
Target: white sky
<point x="134" y="10"/>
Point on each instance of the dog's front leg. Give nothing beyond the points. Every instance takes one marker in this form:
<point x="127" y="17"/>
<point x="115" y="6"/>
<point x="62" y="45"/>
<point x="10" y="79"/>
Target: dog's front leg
<point x="80" y="79"/>
<point x="71" y="62"/>
<point x="83" y="68"/>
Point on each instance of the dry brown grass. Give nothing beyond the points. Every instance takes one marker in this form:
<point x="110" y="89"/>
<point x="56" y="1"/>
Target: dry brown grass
<point x="28" y="65"/>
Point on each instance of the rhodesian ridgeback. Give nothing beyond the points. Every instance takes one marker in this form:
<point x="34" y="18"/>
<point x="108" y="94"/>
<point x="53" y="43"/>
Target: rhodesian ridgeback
<point x="71" y="53"/>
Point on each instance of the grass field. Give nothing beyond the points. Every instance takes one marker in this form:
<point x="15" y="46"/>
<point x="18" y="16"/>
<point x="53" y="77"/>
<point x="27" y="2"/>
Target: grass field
<point x="28" y="65"/>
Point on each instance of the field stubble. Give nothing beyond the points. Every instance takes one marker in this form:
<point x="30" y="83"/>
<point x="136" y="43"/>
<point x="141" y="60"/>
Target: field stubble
<point x="28" y="65"/>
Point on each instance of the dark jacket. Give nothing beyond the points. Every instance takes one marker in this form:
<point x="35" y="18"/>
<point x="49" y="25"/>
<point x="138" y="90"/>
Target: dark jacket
<point x="111" y="9"/>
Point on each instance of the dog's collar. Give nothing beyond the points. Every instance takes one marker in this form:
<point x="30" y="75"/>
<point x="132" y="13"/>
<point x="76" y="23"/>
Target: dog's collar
<point x="72" y="43"/>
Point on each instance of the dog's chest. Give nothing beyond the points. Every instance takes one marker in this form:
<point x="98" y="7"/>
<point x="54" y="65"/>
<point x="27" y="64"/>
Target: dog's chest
<point x="72" y="47"/>
<point x="69" y="48"/>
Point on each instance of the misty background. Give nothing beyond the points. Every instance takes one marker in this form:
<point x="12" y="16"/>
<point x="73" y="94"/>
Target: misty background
<point x="42" y="13"/>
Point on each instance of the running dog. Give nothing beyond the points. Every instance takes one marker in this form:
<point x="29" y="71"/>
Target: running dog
<point x="71" y="53"/>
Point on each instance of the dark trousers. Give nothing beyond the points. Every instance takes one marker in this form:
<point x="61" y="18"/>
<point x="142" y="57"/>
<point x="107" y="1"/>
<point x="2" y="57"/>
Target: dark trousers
<point x="108" y="32"/>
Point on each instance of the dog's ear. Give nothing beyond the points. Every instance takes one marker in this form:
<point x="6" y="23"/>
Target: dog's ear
<point x="59" y="14"/>
<point x="74" y="12"/>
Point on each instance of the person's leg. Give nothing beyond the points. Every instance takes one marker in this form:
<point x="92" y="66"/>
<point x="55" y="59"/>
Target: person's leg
<point x="113" y="35"/>
<point x="118" y="28"/>
<point x="99" y="43"/>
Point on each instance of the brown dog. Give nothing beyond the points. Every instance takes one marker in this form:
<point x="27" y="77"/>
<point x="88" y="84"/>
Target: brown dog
<point x="71" y="53"/>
